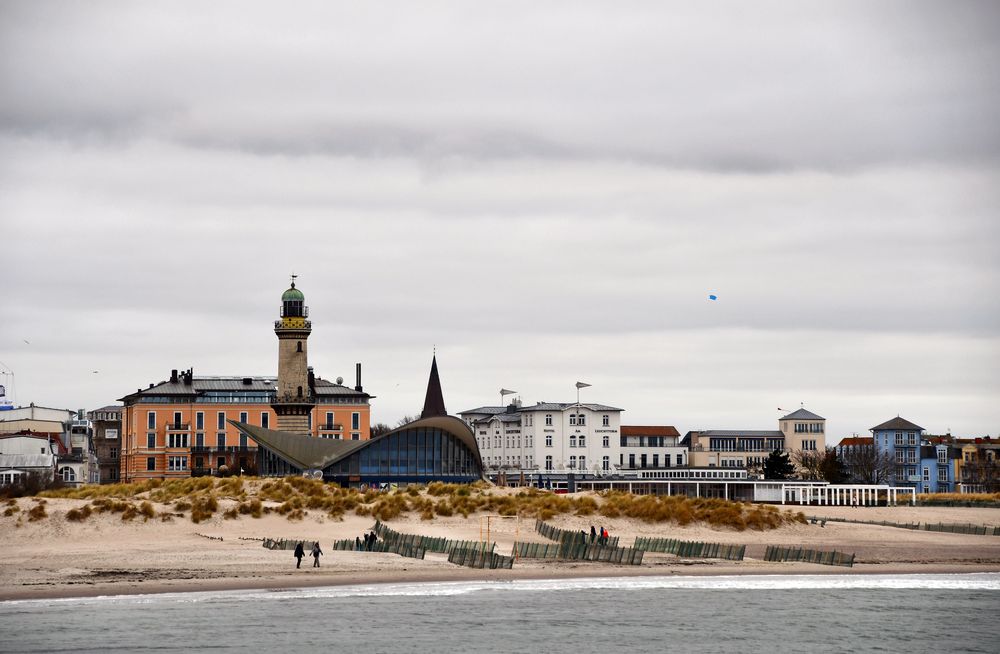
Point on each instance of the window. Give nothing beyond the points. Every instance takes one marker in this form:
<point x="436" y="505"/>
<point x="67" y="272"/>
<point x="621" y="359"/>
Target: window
<point x="581" y="420"/>
<point x="221" y="422"/>
<point x="177" y="440"/>
<point x="680" y="459"/>
<point x="548" y="462"/>
<point x="606" y="463"/>
<point x="298" y="346"/>
<point x="572" y="463"/>
<point x="265" y="420"/>
<point x="606" y="441"/>
<point x="355" y="436"/>
<point x="927" y="473"/>
<point x="899" y="438"/>
<point x="583" y="440"/>
<point x="606" y="421"/>
<point x="243" y="441"/>
<point x="942" y="474"/>
<point x="199" y="439"/>
<point x="220" y="440"/>
<point x="548" y="440"/>
<point x="151" y="420"/>
<point x="548" y="420"/>
<point x="355" y="421"/>
<point x="631" y="461"/>
<point x="809" y="445"/>
<point x="912" y="437"/>
<point x="244" y="417"/>
<point x="113" y="453"/>
<point x="583" y="463"/>
<point x="199" y="420"/>
<point x="329" y="420"/>
<point x="176" y="463"/>
<point x="572" y="419"/>
<point x="150" y="441"/>
<point x="177" y="419"/>
<point x="656" y="460"/>
<point x="942" y="456"/>
<point x="68" y="474"/>
<point x="572" y="440"/>
<point x="151" y="463"/>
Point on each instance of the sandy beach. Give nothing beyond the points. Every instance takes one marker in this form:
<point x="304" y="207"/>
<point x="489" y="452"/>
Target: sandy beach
<point x="54" y="557"/>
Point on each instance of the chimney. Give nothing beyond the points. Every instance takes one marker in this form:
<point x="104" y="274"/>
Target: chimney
<point x="173" y="376"/>
<point x="358" y="387"/>
<point x="312" y="377"/>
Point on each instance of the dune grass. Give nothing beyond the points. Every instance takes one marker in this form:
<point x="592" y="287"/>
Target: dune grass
<point x="295" y="497"/>
<point x="972" y="498"/>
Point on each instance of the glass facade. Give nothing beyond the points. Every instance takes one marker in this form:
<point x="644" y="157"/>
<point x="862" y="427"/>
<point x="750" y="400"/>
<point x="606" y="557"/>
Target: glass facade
<point x="415" y="455"/>
<point x="420" y="454"/>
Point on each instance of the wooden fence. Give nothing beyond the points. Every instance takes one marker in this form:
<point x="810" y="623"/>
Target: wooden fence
<point x="779" y="554"/>
<point x="479" y="558"/>
<point x="692" y="549"/>
<point x="428" y="543"/>
<point x="954" y="528"/>
<point x="566" y="536"/>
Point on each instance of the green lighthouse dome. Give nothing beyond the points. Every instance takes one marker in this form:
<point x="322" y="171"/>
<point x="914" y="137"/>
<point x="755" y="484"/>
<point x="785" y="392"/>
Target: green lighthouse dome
<point x="293" y="294"/>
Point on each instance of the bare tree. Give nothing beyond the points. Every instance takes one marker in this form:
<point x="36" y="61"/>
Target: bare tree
<point x="867" y="465"/>
<point x="380" y="428"/>
<point x="983" y="472"/>
<point x="808" y="463"/>
<point x="405" y="420"/>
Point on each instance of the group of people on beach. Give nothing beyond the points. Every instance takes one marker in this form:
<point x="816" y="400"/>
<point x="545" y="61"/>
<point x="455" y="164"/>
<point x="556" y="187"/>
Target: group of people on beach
<point x="300" y="551"/>
<point x="601" y="538"/>
<point x="368" y="545"/>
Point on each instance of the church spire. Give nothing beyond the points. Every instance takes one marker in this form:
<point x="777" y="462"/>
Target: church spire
<point x="434" y="401"/>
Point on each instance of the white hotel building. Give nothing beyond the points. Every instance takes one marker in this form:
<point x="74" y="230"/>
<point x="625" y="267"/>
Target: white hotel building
<point x="561" y="437"/>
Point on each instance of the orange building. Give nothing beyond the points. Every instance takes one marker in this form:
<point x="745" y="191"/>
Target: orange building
<point x="181" y="427"/>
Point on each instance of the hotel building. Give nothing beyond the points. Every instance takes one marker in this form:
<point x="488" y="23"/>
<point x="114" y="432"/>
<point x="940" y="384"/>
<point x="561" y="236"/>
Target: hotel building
<point x="183" y="427"/>
<point x="746" y="448"/>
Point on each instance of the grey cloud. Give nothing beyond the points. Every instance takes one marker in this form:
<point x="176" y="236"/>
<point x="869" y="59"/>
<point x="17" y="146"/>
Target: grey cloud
<point x="835" y="88"/>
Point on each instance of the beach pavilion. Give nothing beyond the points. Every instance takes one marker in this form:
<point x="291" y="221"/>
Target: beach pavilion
<point x="436" y="447"/>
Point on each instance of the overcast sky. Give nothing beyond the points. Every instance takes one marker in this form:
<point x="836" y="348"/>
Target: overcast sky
<point x="547" y="192"/>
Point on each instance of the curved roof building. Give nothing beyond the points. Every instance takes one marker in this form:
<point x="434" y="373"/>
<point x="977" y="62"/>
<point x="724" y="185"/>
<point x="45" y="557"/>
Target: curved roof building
<point x="436" y="447"/>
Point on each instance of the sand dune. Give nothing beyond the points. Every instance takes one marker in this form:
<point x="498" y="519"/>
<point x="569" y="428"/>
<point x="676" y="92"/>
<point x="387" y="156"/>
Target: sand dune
<point x="54" y="557"/>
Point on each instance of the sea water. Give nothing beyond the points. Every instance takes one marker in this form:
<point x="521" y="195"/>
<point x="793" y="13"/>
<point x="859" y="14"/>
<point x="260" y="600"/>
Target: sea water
<point x="780" y="613"/>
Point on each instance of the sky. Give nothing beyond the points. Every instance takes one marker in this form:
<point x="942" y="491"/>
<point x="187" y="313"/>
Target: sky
<point x="541" y="192"/>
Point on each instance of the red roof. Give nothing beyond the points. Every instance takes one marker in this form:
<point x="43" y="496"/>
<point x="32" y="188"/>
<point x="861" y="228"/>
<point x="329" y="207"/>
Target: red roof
<point x="859" y="440"/>
<point x="649" y="430"/>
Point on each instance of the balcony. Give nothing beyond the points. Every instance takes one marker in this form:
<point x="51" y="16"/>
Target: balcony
<point x="305" y="324"/>
<point x="229" y="449"/>
<point x="331" y="427"/>
<point x="178" y="426"/>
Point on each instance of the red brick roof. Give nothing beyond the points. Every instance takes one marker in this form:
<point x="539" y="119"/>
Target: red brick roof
<point x="649" y="430"/>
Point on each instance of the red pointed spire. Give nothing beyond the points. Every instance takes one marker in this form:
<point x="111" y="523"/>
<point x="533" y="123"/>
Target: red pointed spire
<point x="434" y="401"/>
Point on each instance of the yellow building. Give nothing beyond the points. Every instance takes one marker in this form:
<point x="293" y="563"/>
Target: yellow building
<point x="182" y="426"/>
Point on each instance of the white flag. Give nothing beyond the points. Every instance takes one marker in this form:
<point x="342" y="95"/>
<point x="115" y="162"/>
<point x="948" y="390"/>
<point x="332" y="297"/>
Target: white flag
<point x="504" y="391"/>
<point x="581" y="385"/>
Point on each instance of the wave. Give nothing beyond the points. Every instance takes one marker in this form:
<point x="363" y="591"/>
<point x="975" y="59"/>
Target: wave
<point x="972" y="581"/>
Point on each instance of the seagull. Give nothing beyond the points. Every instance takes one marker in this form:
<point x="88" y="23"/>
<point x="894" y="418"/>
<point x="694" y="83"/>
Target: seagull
<point x="26" y="341"/>
<point x="95" y="372"/>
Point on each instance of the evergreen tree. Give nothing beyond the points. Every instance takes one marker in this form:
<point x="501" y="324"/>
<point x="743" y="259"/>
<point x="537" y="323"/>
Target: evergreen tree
<point x="778" y="466"/>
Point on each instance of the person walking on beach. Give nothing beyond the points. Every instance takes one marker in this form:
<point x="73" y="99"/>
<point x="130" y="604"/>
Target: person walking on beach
<point x="357" y="544"/>
<point x="299" y="553"/>
<point x="593" y="534"/>
<point x="316" y="552"/>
